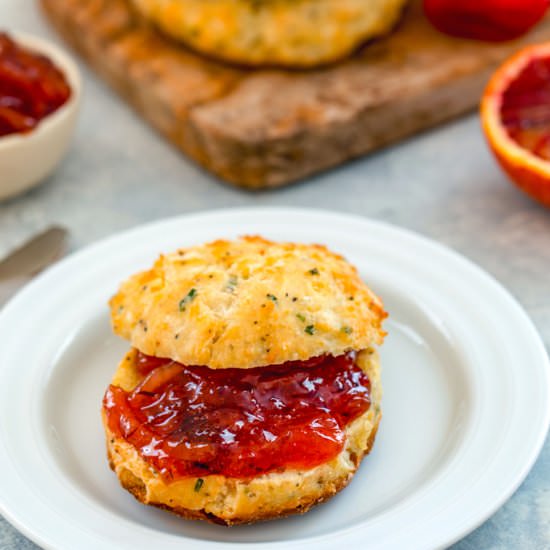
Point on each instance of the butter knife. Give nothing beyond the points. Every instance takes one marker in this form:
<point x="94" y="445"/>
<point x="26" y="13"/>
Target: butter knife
<point x="21" y="265"/>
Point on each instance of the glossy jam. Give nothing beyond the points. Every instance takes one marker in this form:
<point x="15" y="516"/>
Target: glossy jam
<point x="525" y="109"/>
<point x="31" y="87"/>
<point x="193" y="421"/>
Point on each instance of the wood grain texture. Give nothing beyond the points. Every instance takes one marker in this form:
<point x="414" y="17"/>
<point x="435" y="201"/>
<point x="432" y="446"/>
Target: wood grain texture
<point x="269" y="127"/>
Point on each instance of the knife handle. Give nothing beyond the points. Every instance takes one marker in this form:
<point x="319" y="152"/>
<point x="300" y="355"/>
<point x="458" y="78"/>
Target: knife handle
<point x="8" y="287"/>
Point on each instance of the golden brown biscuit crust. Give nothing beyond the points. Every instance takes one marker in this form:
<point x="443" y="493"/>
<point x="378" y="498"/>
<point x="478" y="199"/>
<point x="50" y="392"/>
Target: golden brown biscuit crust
<point x="233" y="501"/>
<point x="296" y="33"/>
<point x="247" y="303"/>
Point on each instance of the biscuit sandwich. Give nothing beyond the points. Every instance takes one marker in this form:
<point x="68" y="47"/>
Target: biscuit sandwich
<point x="252" y="388"/>
<point x="292" y="33"/>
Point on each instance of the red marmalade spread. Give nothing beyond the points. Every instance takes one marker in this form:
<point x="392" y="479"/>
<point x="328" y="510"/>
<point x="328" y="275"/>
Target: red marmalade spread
<point x="188" y="421"/>
<point x="31" y="87"/>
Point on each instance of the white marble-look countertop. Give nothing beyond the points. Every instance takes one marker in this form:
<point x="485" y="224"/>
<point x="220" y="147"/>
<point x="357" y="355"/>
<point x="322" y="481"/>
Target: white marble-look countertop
<point x="443" y="184"/>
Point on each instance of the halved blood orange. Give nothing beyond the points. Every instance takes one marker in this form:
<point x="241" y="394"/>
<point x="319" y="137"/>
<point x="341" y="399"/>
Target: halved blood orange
<point x="515" y="114"/>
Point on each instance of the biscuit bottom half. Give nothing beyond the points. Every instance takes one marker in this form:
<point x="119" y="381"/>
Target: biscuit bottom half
<point x="232" y="501"/>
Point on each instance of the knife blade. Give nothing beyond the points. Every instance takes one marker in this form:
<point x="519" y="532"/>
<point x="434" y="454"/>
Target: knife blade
<point x="33" y="256"/>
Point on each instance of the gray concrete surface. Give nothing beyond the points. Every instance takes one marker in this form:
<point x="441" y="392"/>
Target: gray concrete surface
<point x="443" y="184"/>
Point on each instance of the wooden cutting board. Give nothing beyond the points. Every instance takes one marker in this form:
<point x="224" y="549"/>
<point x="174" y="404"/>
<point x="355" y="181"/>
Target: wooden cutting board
<point x="266" y="128"/>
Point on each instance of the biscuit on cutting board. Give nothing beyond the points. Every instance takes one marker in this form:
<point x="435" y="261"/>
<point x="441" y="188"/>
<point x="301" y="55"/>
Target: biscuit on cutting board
<point x="293" y="33"/>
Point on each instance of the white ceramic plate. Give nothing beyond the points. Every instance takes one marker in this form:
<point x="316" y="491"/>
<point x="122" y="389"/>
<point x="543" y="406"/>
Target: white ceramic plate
<point x="465" y="396"/>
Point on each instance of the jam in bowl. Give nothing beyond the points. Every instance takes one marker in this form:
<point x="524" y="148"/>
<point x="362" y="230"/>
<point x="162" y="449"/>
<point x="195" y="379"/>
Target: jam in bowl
<point x="39" y="97"/>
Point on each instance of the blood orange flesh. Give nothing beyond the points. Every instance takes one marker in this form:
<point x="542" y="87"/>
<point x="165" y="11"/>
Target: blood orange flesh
<point x="515" y="114"/>
<point x="525" y="108"/>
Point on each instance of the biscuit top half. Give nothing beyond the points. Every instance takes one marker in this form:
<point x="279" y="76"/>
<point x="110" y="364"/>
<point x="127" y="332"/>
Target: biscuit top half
<point x="247" y="303"/>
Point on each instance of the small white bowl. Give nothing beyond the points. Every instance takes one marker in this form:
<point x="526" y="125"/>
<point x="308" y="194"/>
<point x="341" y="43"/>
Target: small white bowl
<point x="27" y="159"/>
